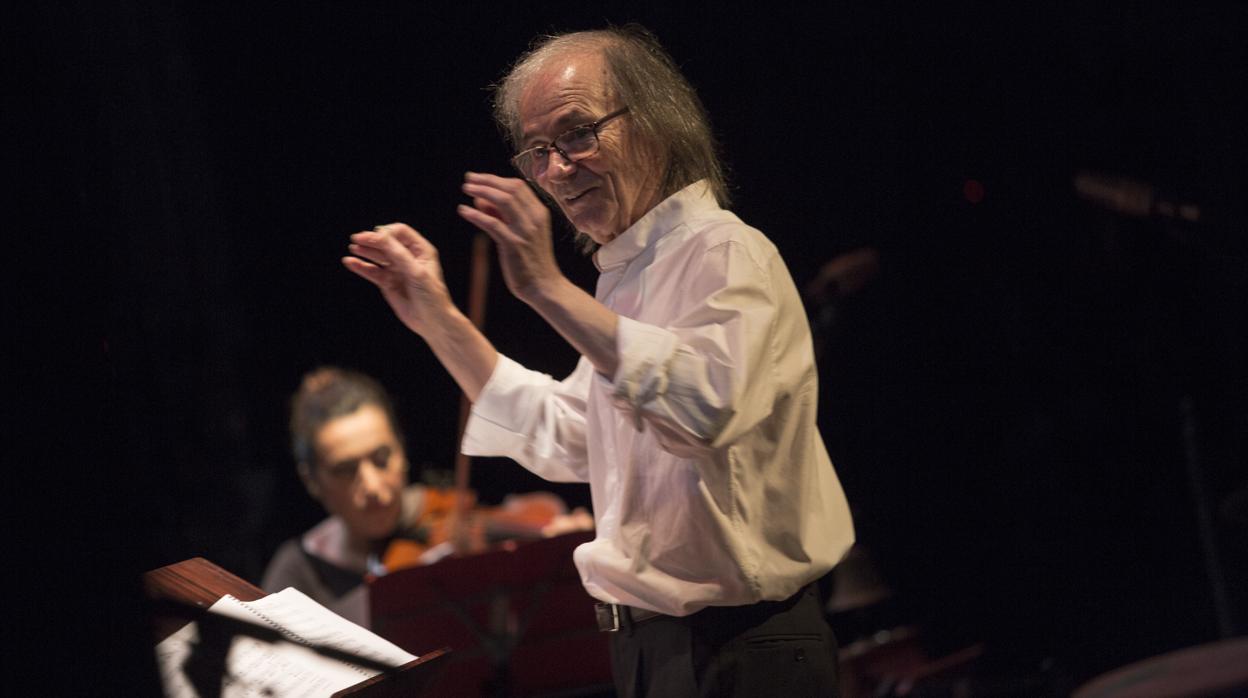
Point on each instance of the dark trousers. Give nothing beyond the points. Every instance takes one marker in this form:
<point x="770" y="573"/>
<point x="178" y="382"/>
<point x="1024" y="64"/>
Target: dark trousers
<point x="773" y="648"/>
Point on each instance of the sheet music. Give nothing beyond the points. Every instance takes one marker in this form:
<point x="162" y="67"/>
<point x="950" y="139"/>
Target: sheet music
<point x="314" y="623"/>
<point x="255" y="668"/>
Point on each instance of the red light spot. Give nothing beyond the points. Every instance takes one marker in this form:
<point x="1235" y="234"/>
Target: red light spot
<point x="973" y="191"/>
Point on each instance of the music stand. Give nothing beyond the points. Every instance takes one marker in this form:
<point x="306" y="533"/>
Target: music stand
<point x="182" y="592"/>
<point x="509" y="614"/>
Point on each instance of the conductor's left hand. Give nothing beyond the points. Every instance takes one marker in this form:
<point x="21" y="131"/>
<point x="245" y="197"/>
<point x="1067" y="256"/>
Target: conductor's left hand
<point x="509" y="212"/>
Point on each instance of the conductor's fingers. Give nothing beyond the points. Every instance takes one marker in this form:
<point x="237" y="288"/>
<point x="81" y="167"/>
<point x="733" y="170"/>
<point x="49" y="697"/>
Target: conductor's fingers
<point x="377" y="256"/>
<point x="367" y="270"/>
<point x="494" y="227"/>
<point x="410" y="239"/>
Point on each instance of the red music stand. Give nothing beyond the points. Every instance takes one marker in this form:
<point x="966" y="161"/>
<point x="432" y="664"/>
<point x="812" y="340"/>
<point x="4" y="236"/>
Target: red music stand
<point x="518" y="619"/>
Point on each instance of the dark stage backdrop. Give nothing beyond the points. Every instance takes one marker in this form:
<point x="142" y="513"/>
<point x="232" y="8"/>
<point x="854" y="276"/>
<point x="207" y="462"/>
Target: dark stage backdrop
<point x="1016" y="403"/>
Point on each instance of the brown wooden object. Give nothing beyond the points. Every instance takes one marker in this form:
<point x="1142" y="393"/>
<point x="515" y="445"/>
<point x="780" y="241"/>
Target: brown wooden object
<point x="182" y="592"/>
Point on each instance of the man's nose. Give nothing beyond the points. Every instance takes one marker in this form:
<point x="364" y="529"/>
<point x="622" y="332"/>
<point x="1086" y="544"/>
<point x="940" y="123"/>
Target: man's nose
<point x="559" y="166"/>
<point x="371" y="486"/>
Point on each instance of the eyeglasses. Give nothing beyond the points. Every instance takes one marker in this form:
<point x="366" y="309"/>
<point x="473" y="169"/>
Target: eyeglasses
<point x="575" y="144"/>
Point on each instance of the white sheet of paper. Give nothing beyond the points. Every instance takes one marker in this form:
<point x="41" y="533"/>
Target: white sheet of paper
<point x="256" y="668"/>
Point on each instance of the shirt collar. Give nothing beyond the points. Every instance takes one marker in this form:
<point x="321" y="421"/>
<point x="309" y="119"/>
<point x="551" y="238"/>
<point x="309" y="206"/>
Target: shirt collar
<point x="657" y="222"/>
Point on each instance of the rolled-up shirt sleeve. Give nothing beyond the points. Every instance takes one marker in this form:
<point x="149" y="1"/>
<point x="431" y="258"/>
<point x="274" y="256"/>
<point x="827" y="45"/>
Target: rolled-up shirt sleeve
<point x="533" y="419"/>
<point x="710" y="374"/>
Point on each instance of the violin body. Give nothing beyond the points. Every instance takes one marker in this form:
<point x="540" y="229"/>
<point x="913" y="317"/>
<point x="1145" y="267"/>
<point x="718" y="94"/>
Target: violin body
<point x="469" y="528"/>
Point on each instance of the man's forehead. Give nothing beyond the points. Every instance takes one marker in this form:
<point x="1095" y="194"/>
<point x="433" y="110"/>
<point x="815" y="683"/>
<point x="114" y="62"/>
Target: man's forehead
<point x="566" y="91"/>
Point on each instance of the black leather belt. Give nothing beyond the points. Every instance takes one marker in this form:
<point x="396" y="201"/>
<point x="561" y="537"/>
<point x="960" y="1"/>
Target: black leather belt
<point x="612" y="617"/>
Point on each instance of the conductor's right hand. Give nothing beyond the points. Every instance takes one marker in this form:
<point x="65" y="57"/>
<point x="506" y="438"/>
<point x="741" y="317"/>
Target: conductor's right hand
<point x="405" y="267"/>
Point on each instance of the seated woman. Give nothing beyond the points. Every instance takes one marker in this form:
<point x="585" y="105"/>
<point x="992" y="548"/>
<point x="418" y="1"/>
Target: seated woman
<point x="351" y="458"/>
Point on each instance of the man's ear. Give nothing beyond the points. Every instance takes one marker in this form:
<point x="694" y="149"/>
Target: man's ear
<point x="305" y="474"/>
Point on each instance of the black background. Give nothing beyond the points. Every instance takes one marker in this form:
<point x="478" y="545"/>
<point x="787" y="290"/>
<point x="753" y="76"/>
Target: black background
<point x="1006" y="402"/>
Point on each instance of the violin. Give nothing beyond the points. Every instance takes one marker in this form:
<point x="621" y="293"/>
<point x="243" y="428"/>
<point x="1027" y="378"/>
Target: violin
<point x="437" y="529"/>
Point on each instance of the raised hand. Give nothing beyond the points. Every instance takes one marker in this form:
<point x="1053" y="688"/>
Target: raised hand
<point x="404" y="266"/>
<point x="509" y="212"/>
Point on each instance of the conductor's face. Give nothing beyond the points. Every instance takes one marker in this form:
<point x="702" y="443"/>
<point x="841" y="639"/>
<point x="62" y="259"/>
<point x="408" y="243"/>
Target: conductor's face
<point x="360" y="472"/>
<point x="607" y="186"/>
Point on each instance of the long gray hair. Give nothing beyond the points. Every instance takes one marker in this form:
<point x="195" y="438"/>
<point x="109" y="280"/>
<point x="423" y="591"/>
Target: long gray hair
<point x="663" y="106"/>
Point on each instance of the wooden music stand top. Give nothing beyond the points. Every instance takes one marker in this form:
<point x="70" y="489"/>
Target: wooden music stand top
<point x="183" y="591"/>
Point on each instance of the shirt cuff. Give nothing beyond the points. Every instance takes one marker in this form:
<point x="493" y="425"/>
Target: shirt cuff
<point x="492" y="428"/>
<point x="644" y="353"/>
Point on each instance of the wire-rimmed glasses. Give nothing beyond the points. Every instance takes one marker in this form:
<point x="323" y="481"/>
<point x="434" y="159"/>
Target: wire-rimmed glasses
<point x="575" y="144"/>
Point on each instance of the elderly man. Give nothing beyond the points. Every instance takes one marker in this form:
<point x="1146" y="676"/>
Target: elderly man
<point x="691" y="413"/>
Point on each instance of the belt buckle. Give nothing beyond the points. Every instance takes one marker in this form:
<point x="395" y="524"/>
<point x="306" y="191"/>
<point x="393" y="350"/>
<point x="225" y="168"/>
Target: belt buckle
<point x="608" y="615"/>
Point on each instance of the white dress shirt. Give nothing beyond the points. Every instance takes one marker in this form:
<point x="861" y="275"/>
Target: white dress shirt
<point x="711" y="485"/>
